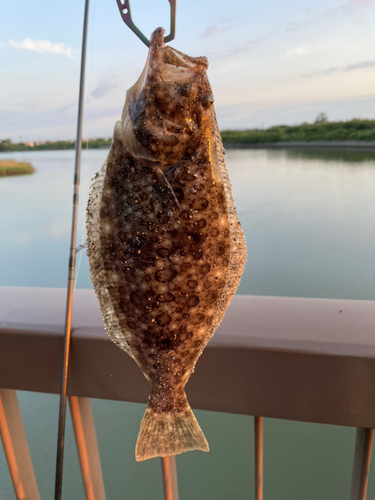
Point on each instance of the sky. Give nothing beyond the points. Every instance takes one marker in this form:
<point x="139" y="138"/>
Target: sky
<point x="271" y="62"/>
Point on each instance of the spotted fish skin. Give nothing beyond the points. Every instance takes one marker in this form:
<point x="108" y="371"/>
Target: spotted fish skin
<point x="165" y="246"/>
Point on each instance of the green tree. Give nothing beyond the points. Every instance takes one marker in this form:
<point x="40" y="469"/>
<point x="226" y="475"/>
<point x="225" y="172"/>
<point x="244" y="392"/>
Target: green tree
<point x="5" y="145"/>
<point x="321" y="118"/>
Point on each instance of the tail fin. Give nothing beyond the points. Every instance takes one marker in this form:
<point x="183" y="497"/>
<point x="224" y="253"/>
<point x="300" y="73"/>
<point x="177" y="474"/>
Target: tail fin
<point x="166" y="434"/>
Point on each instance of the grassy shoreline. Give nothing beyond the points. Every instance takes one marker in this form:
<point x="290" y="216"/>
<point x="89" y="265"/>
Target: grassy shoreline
<point x="10" y="167"/>
<point x="355" y="130"/>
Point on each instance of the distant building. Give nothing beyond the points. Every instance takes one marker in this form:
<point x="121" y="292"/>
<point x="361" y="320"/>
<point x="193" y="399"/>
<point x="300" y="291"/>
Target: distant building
<point x="264" y="126"/>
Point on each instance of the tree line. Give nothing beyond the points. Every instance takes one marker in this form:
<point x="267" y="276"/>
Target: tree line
<point x="321" y="130"/>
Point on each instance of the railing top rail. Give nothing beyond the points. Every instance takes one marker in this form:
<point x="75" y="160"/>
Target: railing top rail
<point x="330" y="326"/>
<point x="301" y="359"/>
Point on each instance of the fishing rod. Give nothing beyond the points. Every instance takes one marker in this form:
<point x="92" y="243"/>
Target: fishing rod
<point x="71" y="267"/>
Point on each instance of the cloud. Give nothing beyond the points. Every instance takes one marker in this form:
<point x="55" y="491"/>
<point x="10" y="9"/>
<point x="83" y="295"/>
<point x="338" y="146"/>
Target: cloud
<point x="219" y="27"/>
<point x="303" y="50"/>
<point x="255" y="112"/>
<point x="354" y="13"/>
<point x="295" y="26"/>
<point x="43" y="46"/>
<point x="57" y="123"/>
<point x="103" y="89"/>
<point x="1" y="45"/>
<point x="310" y="48"/>
<point x="364" y="64"/>
<point x="349" y="67"/>
<point x="353" y="10"/>
<point x="210" y="30"/>
<point x="224" y="52"/>
<point x="328" y="71"/>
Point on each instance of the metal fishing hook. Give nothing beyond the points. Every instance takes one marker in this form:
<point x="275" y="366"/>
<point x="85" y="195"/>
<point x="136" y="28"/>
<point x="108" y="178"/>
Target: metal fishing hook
<point x="124" y="8"/>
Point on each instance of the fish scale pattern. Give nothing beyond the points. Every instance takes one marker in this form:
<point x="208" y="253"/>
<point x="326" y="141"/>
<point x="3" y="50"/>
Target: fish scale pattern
<point x="166" y="264"/>
<point x="165" y="246"/>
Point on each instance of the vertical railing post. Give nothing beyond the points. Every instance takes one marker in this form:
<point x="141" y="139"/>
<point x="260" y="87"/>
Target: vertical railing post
<point x="170" y="478"/>
<point x="258" y="457"/>
<point x="361" y="463"/>
<point x="87" y="446"/>
<point x="15" y="447"/>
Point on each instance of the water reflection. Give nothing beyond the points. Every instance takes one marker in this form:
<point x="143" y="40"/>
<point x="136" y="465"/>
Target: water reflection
<point x="309" y="223"/>
<point x="341" y="155"/>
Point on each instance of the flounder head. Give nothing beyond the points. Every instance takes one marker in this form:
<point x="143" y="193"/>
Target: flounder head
<point x="166" y="107"/>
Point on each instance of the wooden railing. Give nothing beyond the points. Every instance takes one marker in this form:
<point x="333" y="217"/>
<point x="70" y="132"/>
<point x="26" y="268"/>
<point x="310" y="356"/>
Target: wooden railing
<point x="309" y="360"/>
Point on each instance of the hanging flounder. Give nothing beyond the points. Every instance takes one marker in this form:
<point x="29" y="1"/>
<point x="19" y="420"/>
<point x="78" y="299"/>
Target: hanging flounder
<point x="165" y="246"/>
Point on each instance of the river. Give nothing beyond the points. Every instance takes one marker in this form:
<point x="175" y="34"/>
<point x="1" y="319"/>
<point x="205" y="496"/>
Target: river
<point x="309" y="222"/>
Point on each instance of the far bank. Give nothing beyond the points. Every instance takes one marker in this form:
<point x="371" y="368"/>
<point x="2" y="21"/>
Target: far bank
<point x="303" y="144"/>
<point x="352" y="134"/>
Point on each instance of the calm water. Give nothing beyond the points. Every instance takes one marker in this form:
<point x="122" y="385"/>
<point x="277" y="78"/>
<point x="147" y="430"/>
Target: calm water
<point x="308" y="217"/>
<point x="309" y="221"/>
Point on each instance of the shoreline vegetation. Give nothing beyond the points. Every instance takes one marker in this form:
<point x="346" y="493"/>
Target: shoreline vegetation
<point x="10" y="167"/>
<point x="355" y="131"/>
<point x="321" y="133"/>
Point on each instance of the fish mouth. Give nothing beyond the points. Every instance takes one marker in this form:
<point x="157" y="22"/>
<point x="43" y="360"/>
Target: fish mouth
<point x="164" y="108"/>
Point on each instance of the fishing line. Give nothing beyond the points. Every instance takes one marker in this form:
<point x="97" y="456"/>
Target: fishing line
<point x="82" y="245"/>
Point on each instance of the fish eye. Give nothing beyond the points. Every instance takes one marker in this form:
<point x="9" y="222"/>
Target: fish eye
<point x="208" y="101"/>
